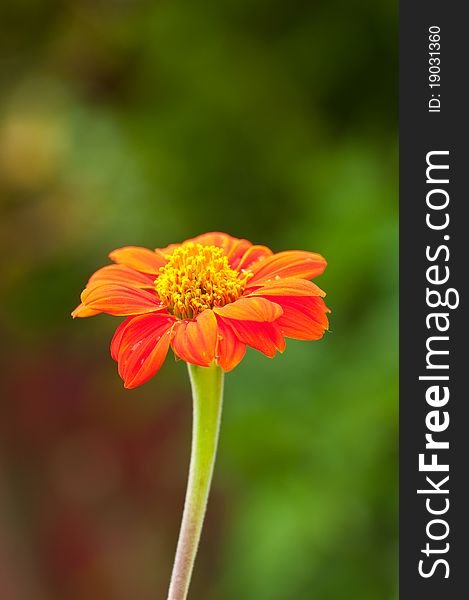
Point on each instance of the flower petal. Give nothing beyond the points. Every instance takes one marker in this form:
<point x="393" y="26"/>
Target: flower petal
<point x="196" y="341"/>
<point x="118" y="334"/>
<point x="234" y="248"/>
<point x="122" y="275"/>
<point x="221" y="240"/>
<point x="291" y="263"/>
<point x="167" y="249"/>
<point x="141" y="259"/>
<point x="83" y="311"/>
<point x="250" y="309"/>
<point x="286" y="287"/>
<point x="265" y="337"/>
<point x="303" y="318"/>
<point x="230" y="350"/>
<point x="240" y="252"/>
<point x="236" y="252"/>
<point x="252" y="255"/>
<point x="140" y="345"/>
<point x="120" y="300"/>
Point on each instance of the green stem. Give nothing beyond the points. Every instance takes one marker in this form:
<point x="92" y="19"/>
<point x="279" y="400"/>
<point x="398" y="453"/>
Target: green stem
<point x="207" y="394"/>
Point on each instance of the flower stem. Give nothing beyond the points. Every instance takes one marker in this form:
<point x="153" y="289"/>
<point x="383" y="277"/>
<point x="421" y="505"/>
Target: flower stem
<point x="207" y="394"/>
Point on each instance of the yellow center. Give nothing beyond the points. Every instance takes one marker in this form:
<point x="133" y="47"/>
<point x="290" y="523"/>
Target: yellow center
<point x="197" y="277"/>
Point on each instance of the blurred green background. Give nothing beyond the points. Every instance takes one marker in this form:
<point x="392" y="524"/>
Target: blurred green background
<point x="137" y="122"/>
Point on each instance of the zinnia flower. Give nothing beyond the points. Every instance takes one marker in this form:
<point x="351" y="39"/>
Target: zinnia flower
<point x="208" y="298"/>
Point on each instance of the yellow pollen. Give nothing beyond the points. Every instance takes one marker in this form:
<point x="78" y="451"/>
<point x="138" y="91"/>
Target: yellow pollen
<point x="197" y="277"/>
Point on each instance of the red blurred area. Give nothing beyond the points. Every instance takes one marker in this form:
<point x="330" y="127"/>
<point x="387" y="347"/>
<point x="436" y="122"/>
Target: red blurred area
<point x="91" y="490"/>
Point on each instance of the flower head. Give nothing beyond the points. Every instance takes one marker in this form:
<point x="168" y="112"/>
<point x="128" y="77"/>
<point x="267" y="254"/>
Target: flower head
<point x="207" y="298"/>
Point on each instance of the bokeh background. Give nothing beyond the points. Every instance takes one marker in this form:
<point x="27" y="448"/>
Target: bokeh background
<point x="146" y="122"/>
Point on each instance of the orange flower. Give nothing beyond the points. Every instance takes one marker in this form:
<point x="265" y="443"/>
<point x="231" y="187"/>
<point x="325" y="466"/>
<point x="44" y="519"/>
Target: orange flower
<point x="207" y="298"/>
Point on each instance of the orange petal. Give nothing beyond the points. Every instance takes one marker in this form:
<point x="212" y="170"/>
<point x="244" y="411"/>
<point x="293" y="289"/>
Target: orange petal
<point x="291" y="263"/>
<point x="230" y="350"/>
<point x="252" y="255"/>
<point x="196" y="341"/>
<point x="82" y="311"/>
<point x="140" y="345"/>
<point x="236" y="252"/>
<point x="250" y="309"/>
<point x="303" y="318"/>
<point x="167" y="249"/>
<point x="234" y="248"/>
<point x="141" y="259"/>
<point x="265" y="337"/>
<point x="286" y="287"/>
<point x="118" y="334"/>
<point x="136" y="328"/>
<point x="216" y="238"/>
<point x="120" y="300"/>
<point x="121" y="275"/>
